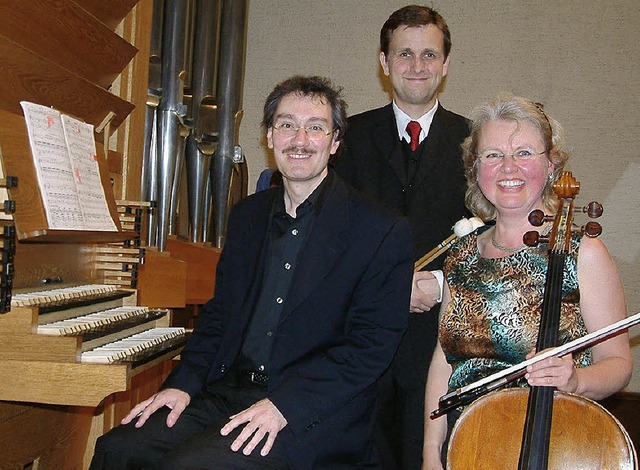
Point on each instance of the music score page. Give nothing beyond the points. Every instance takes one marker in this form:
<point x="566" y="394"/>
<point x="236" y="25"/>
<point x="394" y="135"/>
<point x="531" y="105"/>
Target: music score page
<point x="66" y="163"/>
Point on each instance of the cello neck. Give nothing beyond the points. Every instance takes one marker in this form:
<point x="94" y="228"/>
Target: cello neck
<point x="534" y="451"/>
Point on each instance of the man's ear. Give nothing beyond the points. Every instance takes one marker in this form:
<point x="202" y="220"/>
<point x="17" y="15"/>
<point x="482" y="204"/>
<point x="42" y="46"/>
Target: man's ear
<point x="335" y="145"/>
<point x="384" y="64"/>
<point x="270" y="137"/>
<point x="445" y="66"/>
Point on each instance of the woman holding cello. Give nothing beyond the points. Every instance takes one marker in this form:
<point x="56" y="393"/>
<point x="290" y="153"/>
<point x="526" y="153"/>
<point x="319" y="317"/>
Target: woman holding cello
<point x="495" y="284"/>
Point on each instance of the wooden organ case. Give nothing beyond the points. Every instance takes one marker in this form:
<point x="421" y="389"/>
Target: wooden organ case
<point x="54" y="404"/>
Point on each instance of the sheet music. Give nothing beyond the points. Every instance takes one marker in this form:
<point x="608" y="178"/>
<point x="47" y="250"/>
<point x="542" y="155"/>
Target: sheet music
<point x="67" y="169"/>
<point x="84" y="163"/>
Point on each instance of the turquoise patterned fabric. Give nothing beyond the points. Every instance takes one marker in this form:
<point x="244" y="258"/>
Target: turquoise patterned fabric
<point x="492" y="320"/>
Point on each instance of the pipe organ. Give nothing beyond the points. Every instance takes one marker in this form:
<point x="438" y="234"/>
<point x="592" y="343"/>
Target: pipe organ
<point x="87" y="323"/>
<point x="192" y="118"/>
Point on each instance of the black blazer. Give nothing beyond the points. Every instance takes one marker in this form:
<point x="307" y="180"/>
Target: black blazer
<point x="342" y="322"/>
<point x="371" y="160"/>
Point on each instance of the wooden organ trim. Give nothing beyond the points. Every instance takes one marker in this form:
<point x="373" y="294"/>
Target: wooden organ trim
<point x="25" y="76"/>
<point x="97" y="54"/>
<point x="109" y="13"/>
<point x="201" y="272"/>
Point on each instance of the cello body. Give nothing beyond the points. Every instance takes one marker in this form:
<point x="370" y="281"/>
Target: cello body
<point x="584" y="435"/>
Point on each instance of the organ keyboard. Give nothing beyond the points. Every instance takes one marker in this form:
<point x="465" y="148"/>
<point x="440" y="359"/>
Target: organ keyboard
<point x="136" y="347"/>
<point x="90" y="340"/>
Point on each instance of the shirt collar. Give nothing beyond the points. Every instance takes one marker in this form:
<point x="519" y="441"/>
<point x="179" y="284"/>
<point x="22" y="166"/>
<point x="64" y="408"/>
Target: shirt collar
<point x="314" y="201"/>
<point x="402" y="119"/>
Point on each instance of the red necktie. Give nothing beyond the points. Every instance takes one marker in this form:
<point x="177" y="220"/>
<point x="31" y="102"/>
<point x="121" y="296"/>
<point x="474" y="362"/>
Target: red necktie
<point x="413" y="129"/>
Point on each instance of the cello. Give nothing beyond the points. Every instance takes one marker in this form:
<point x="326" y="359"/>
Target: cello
<point x="540" y="428"/>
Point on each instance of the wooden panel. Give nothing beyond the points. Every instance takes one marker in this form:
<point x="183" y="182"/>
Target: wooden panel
<point x="76" y="40"/>
<point x="201" y="272"/>
<point x="33" y="347"/>
<point x="137" y="30"/>
<point x="42" y="265"/>
<point x="63" y="437"/>
<point x="53" y="437"/>
<point x="162" y="281"/>
<point x="19" y="321"/>
<point x="11" y="410"/>
<point x="60" y="383"/>
<point x="67" y="383"/>
<point x="109" y="12"/>
<point x="114" y="160"/>
<point x="25" y="76"/>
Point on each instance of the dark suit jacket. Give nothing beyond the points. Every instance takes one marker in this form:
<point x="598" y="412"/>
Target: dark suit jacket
<point x="342" y="322"/>
<point x="372" y="161"/>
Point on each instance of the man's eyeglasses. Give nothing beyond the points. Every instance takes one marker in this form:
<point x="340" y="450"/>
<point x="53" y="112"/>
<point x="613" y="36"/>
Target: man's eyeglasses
<point x="495" y="158"/>
<point x="314" y="131"/>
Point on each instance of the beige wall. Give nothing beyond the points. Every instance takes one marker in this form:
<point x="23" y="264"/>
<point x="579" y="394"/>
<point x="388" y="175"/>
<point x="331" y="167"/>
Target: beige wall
<point x="581" y="58"/>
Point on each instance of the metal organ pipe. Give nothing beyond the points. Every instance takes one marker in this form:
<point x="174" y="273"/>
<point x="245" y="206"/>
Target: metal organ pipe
<point x="149" y="176"/>
<point x="230" y="77"/>
<point x="201" y="143"/>
<point x="170" y="111"/>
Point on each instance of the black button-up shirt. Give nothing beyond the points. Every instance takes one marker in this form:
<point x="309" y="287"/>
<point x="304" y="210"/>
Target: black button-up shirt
<point x="286" y="238"/>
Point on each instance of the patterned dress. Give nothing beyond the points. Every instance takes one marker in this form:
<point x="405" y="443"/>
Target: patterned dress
<point x="492" y="320"/>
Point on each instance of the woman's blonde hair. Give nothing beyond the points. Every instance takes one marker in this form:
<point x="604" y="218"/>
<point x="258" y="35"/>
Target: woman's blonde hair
<point x="518" y="110"/>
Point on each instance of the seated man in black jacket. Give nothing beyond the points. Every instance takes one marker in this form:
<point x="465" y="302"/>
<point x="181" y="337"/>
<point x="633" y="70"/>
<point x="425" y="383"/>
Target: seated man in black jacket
<point x="310" y="303"/>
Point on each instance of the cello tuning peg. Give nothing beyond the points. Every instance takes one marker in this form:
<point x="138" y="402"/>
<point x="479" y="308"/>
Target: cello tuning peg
<point x="593" y="209"/>
<point x="592" y="229"/>
<point x="533" y="238"/>
<point x="537" y="218"/>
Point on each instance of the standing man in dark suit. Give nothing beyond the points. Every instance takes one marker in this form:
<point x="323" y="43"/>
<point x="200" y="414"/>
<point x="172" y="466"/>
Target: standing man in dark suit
<point x="311" y="290"/>
<point x="407" y="154"/>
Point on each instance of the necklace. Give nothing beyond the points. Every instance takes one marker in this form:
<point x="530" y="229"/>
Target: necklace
<point x="508" y="249"/>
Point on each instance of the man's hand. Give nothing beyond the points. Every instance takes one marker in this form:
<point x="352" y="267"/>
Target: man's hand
<point x="425" y="292"/>
<point x="173" y="398"/>
<point x="262" y="418"/>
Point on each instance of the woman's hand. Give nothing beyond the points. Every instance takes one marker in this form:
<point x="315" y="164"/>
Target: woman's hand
<point x="556" y="372"/>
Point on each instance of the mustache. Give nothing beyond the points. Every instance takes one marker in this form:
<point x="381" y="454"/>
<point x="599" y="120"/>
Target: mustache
<point x="293" y="149"/>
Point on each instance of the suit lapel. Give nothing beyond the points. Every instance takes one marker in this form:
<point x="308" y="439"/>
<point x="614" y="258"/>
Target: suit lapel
<point x="254" y="241"/>
<point x="326" y="243"/>
<point x="387" y="142"/>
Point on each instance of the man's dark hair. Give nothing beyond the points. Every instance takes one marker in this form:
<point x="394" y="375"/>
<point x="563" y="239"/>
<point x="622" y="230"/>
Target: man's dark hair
<point x="308" y="86"/>
<point x="412" y="16"/>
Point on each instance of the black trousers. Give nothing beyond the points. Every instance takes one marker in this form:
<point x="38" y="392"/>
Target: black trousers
<point x="194" y="442"/>
<point x="399" y="427"/>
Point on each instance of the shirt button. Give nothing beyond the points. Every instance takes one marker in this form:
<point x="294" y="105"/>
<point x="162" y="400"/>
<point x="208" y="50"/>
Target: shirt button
<point x="261" y="368"/>
<point x="269" y="333"/>
<point x="287" y="266"/>
<point x="279" y="300"/>
<point x="294" y="231"/>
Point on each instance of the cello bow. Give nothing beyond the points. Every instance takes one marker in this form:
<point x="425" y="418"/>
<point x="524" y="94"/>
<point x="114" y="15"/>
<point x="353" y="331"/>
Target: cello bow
<point x="465" y="395"/>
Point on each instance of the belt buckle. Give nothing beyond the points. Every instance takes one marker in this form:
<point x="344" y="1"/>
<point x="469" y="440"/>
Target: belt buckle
<point x="257" y="378"/>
